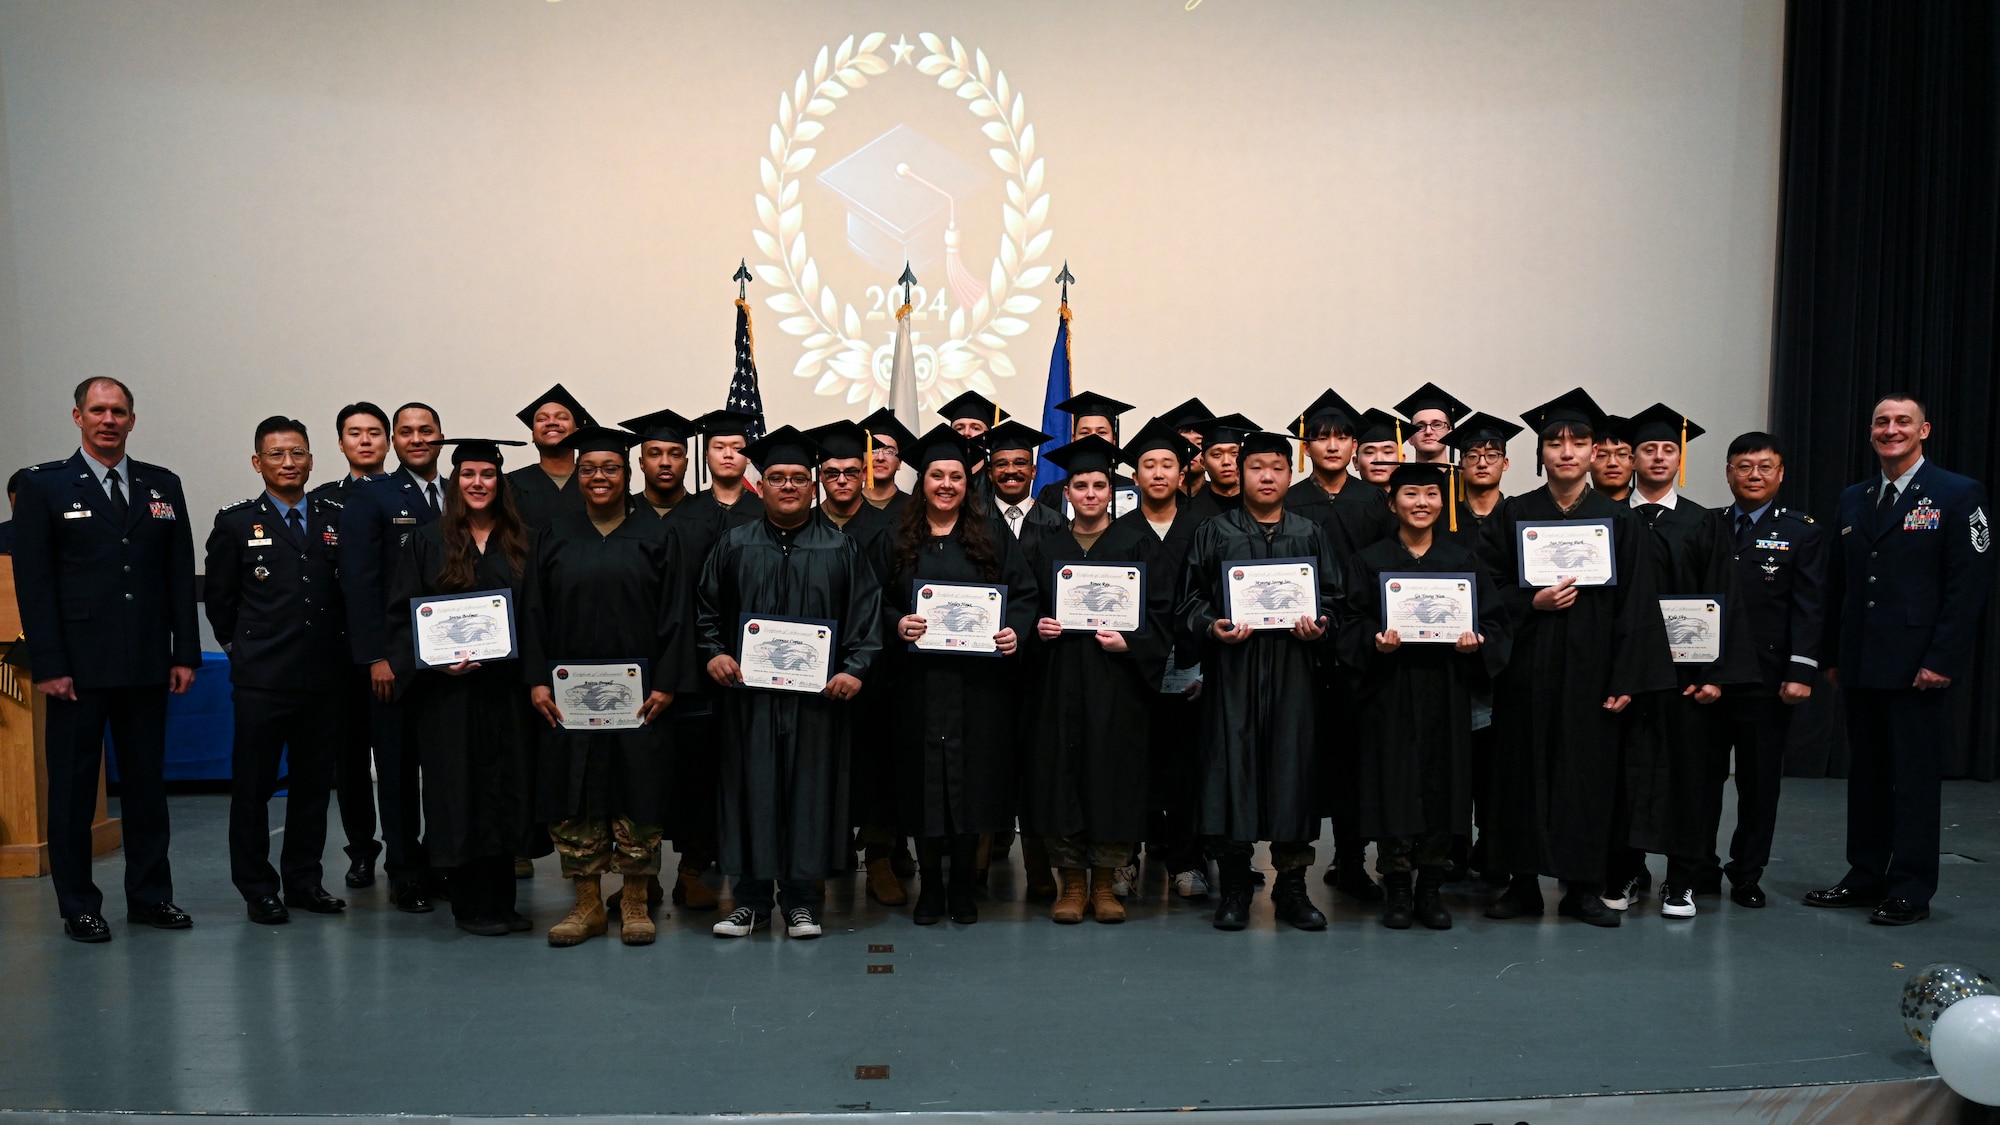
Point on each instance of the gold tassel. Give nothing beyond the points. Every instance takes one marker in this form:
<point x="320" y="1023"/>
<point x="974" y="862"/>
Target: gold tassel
<point x="1302" y="446"/>
<point x="1399" y="440"/>
<point x="1451" y="492"/>
<point x="868" y="457"/>
<point x="1684" y="454"/>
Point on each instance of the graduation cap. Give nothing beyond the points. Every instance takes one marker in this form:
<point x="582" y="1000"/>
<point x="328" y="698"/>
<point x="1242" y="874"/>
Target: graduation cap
<point x="1574" y="407"/>
<point x="724" y="423"/>
<point x="1188" y="415"/>
<point x="1481" y="429"/>
<point x="1329" y="410"/>
<point x="942" y="443"/>
<point x="1090" y="404"/>
<point x="559" y="395"/>
<point x="1087" y="454"/>
<point x="785" y="445"/>
<point x="1226" y="430"/>
<point x="1430" y="396"/>
<point x="1660" y="422"/>
<point x="1263" y="441"/>
<point x="839" y="441"/>
<point x="662" y="425"/>
<point x="1158" y="434"/>
<point x="1420" y="473"/>
<point x="901" y="190"/>
<point x="1014" y="435"/>
<point x="975" y="406"/>
<point x="884" y="423"/>
<point x="1615" y="429"/>
<point x="1379" y="425"/>
<point x="484" y="450"/>
<point x="601" y="439"/>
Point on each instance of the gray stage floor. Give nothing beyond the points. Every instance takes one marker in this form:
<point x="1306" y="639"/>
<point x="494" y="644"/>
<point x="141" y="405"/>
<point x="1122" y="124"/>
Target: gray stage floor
<point x="380" y="1012"/>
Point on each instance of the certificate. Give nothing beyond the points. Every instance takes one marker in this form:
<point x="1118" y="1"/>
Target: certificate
<point x="599" y="694"/>
<point x="1177" y="678"/>
<point x="1694" y="629"/>
<point x="1093" y="596"/>
<point x="1433" y="608"/>
<point x="785" y="653"/>
<point x="1270" y="593"/>
<point x="1579" y="549"/>
<point x="456" y="627"/>
<point x="960" y="617"/>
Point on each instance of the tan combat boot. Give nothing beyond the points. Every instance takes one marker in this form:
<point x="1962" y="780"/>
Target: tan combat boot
<point x="1068" y="909"/>
<point x="586" y="919"/>
<point x="883" y="886"/>
<point x="634" y="927"/>
<point x="1103" y="902"/>
<point x="691" y="892"/>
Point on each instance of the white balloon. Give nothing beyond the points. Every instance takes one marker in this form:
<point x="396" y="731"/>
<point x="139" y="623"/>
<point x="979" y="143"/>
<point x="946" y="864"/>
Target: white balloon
<point x="1965" y="1045"/>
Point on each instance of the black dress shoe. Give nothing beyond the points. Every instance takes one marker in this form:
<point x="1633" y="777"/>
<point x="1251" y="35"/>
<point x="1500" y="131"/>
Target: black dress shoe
<point x="361" y="873"/>
<point x="87" y="928"/>
<point x="1747" y="894"/>
<point x="518" y="923"/>
<point x="268" y="911"/>
<point x="1587" y="907"/>
<point x="1232" y="911"/>
<point x="316" y="900"/>
<point x="1840" y="895"/>
<point x="1355" y="884"/>
<point x="409" y="899"/>
<point x="484" y="927"/>
<point x="1899" y="912"/>
<point x="160" y="916"/>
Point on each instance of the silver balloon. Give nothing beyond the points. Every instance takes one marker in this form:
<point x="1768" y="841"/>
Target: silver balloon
<point x="1933" y="989"/>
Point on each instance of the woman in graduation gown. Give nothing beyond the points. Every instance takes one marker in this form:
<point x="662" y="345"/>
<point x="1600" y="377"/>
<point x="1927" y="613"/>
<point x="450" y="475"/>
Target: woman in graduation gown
<point x="1412" y="726"/>
<point x="605" y="585"/>
<point x="1579" y="655"/>
<point x="1084" y="769"/>
<point x="473" y="718"/>
<point x="955" y="715"/>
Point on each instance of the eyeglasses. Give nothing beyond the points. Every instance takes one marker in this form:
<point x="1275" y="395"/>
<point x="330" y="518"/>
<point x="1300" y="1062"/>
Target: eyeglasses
<point x="606" y="471"/>
<point x="1487" y="458"/>
<point x="1441" y="427"/>
<point x="789" y="482"/>
<point x="839" y="474"/>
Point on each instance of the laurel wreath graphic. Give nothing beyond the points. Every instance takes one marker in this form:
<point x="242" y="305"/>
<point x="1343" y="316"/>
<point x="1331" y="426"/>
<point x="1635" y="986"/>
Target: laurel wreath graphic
<point x="975" y="351"/>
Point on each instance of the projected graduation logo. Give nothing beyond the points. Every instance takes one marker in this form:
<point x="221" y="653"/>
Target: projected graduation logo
<point x="902" y="174"/>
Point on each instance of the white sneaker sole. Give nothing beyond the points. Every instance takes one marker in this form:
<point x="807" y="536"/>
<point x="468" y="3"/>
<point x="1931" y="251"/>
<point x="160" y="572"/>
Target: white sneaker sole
<point x="1619" y="904"/>
<point x="1667" y="910"/>
<point x="804" y="933"/>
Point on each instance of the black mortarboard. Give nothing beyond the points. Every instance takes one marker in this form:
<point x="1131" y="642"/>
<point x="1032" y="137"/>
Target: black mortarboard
<point x="1086" y="404"/>
<point x="785" y="446"/>
<point x="884" y="423"/>
<point x="975" y="406"/>
<point x="899" y="190"/>
<point x="1378" y="425"/>
<point x="1570" y="406"/>
<point x="1659" y="422"/>
<point x="1419" y="472"/>
<point x="1013" y="435"/>
<point x="1430" y="396"/>
<point x="663" y="425"/>
<point x="1481" y="429"/>
<point x="601" y="439"/>
<point x="1328" y="409"/>
<point x="486" y="450"/>
<point x="942" y="443"/>
<point x="1613" y="429"/>
<point x="1158" y="434"/>
<point x="1228" y="429"/>
<point x="1187" y="415"/>
<point x="839" y="441"/>
<point x="1263" y="441"/>
<point x="560" y="395"/>
<point x="724" y="423"/>
<point x="1088" y="454"/>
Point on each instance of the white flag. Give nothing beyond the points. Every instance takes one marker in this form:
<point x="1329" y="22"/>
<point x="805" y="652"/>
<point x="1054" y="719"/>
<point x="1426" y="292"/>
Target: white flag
<point x="903" y="377"/>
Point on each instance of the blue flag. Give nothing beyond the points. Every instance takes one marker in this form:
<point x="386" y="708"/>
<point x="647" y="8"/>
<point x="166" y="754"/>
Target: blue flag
<point x="1055" y="422"/>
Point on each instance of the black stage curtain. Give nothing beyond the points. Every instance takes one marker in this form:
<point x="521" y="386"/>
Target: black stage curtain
<point x="1886" y="276"/>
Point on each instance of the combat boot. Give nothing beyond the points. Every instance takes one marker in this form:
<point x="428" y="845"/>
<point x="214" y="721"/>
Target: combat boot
<point x="1350" y="873"/>
<point x="586" y="919"/>
<point x="883" y="886"/>
<point x="1035" y="857"/>
<point x="634" y="927"/>
<point x="1521" y="899"/>
<point x="690" y="891"/>
<point x="1232" y="908"/>
<point x="655" y="894"/>
<point x="1291" y="903"/>
<point x="1070" y="899"/>
<point x="1103" y="899"/>
<point x="1399" y="910"/>
<point x="930" y="882"/>
<point x="958" y="891"/>
<point x="1429" y="908"/>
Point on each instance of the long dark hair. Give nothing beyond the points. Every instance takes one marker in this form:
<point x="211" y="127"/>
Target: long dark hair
<point x="461" y="554"/>
<point x="975" y="534"/>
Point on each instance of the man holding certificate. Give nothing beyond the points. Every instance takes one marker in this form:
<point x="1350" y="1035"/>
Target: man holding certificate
<point x="788" y="620"/>
<point x="1254" y="598"/>
<point x="1587" y="638"/>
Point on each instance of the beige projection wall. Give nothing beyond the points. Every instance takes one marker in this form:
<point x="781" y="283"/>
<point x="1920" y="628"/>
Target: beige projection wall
<point x="254" y="207"/>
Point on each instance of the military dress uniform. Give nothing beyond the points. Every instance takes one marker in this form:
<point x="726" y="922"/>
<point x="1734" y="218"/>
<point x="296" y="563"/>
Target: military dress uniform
<point x="104" y="574"/>
<point x="354" y="757"/>
<point x="1910" y="573"/>
<point x="1780" y="559"/>
<point x="272" y="594"/>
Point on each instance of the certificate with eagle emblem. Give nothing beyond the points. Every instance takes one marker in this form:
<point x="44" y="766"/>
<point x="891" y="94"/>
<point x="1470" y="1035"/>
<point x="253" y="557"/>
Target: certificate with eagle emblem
<point x="1430" y="608"/>
<point x="1694" y="629"/>
<point x="1271" y="593"/>
<point x="785" y="653"/>
<point x="961" y="617"/>
<point x="1093" y="596"/>
<point x="460" y="627"/>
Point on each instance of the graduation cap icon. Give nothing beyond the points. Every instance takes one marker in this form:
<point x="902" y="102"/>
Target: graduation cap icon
<point x="903" y="192"/>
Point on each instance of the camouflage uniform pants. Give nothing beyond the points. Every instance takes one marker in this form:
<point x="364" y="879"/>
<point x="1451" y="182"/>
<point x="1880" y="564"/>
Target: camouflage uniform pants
<point x="1074" y="853"/>
<point x="1286" y="855"/>
<point x="1402" y="853"/>
<point x="593" y="845"/>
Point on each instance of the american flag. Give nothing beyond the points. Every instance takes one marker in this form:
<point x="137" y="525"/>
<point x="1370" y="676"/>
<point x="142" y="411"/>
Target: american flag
<point x="744" y="398"/>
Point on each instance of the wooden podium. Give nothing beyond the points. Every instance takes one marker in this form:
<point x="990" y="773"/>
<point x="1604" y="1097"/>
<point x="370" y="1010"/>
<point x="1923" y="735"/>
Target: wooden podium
<point x="24" y="774"/>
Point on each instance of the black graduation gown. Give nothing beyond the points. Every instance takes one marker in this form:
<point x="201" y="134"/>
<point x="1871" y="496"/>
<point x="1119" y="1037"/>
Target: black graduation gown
<point x="1412" y="721"/>
<point x="1173" y="728"/>
<point x="621" y="596"/>
<point x="537" y="500"/>
<point x="1037" y="523"/>
<point x="1206" y="505"/>
<point x="955" y="716"/>
<point x="692" y="529"/>
<point x="1086" y="760"/>
<point x="871" y="791"/>
<point x="782" y="802"/>
<point x="1555" y="752"/>
<point x="891" y="507"/>
<point x="1258" y="768"/>
<point x="1666" y="733"/>
<point x="749" y="507"/>
<point x="476" y="729"/>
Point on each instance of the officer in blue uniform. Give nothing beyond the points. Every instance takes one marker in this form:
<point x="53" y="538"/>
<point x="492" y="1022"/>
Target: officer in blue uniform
<point x="272" y="593"/>
<point x="1909" y="576"/>
<point x="104" y="574"/>
<point x="7" y="528"/>
<point x="1780" y="559"/>
<point x="378" y="517"/>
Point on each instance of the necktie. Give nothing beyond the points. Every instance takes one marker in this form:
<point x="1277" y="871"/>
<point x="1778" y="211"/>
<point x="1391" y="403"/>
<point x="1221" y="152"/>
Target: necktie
<point x="1014" y="514"/>
<point x="431" y="492"/>
<point x="1887" y="507"/>
<point x="118" y="506"/>
<point x="298" y="525"/>
<point x="1742" y="530"/>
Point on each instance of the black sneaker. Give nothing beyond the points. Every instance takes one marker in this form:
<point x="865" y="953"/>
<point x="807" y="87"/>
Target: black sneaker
<point x="1587" y="908"/>
<point x="742" y="922"/>
<point x="800" y="923"/>
<point x="1676" y="901"/>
